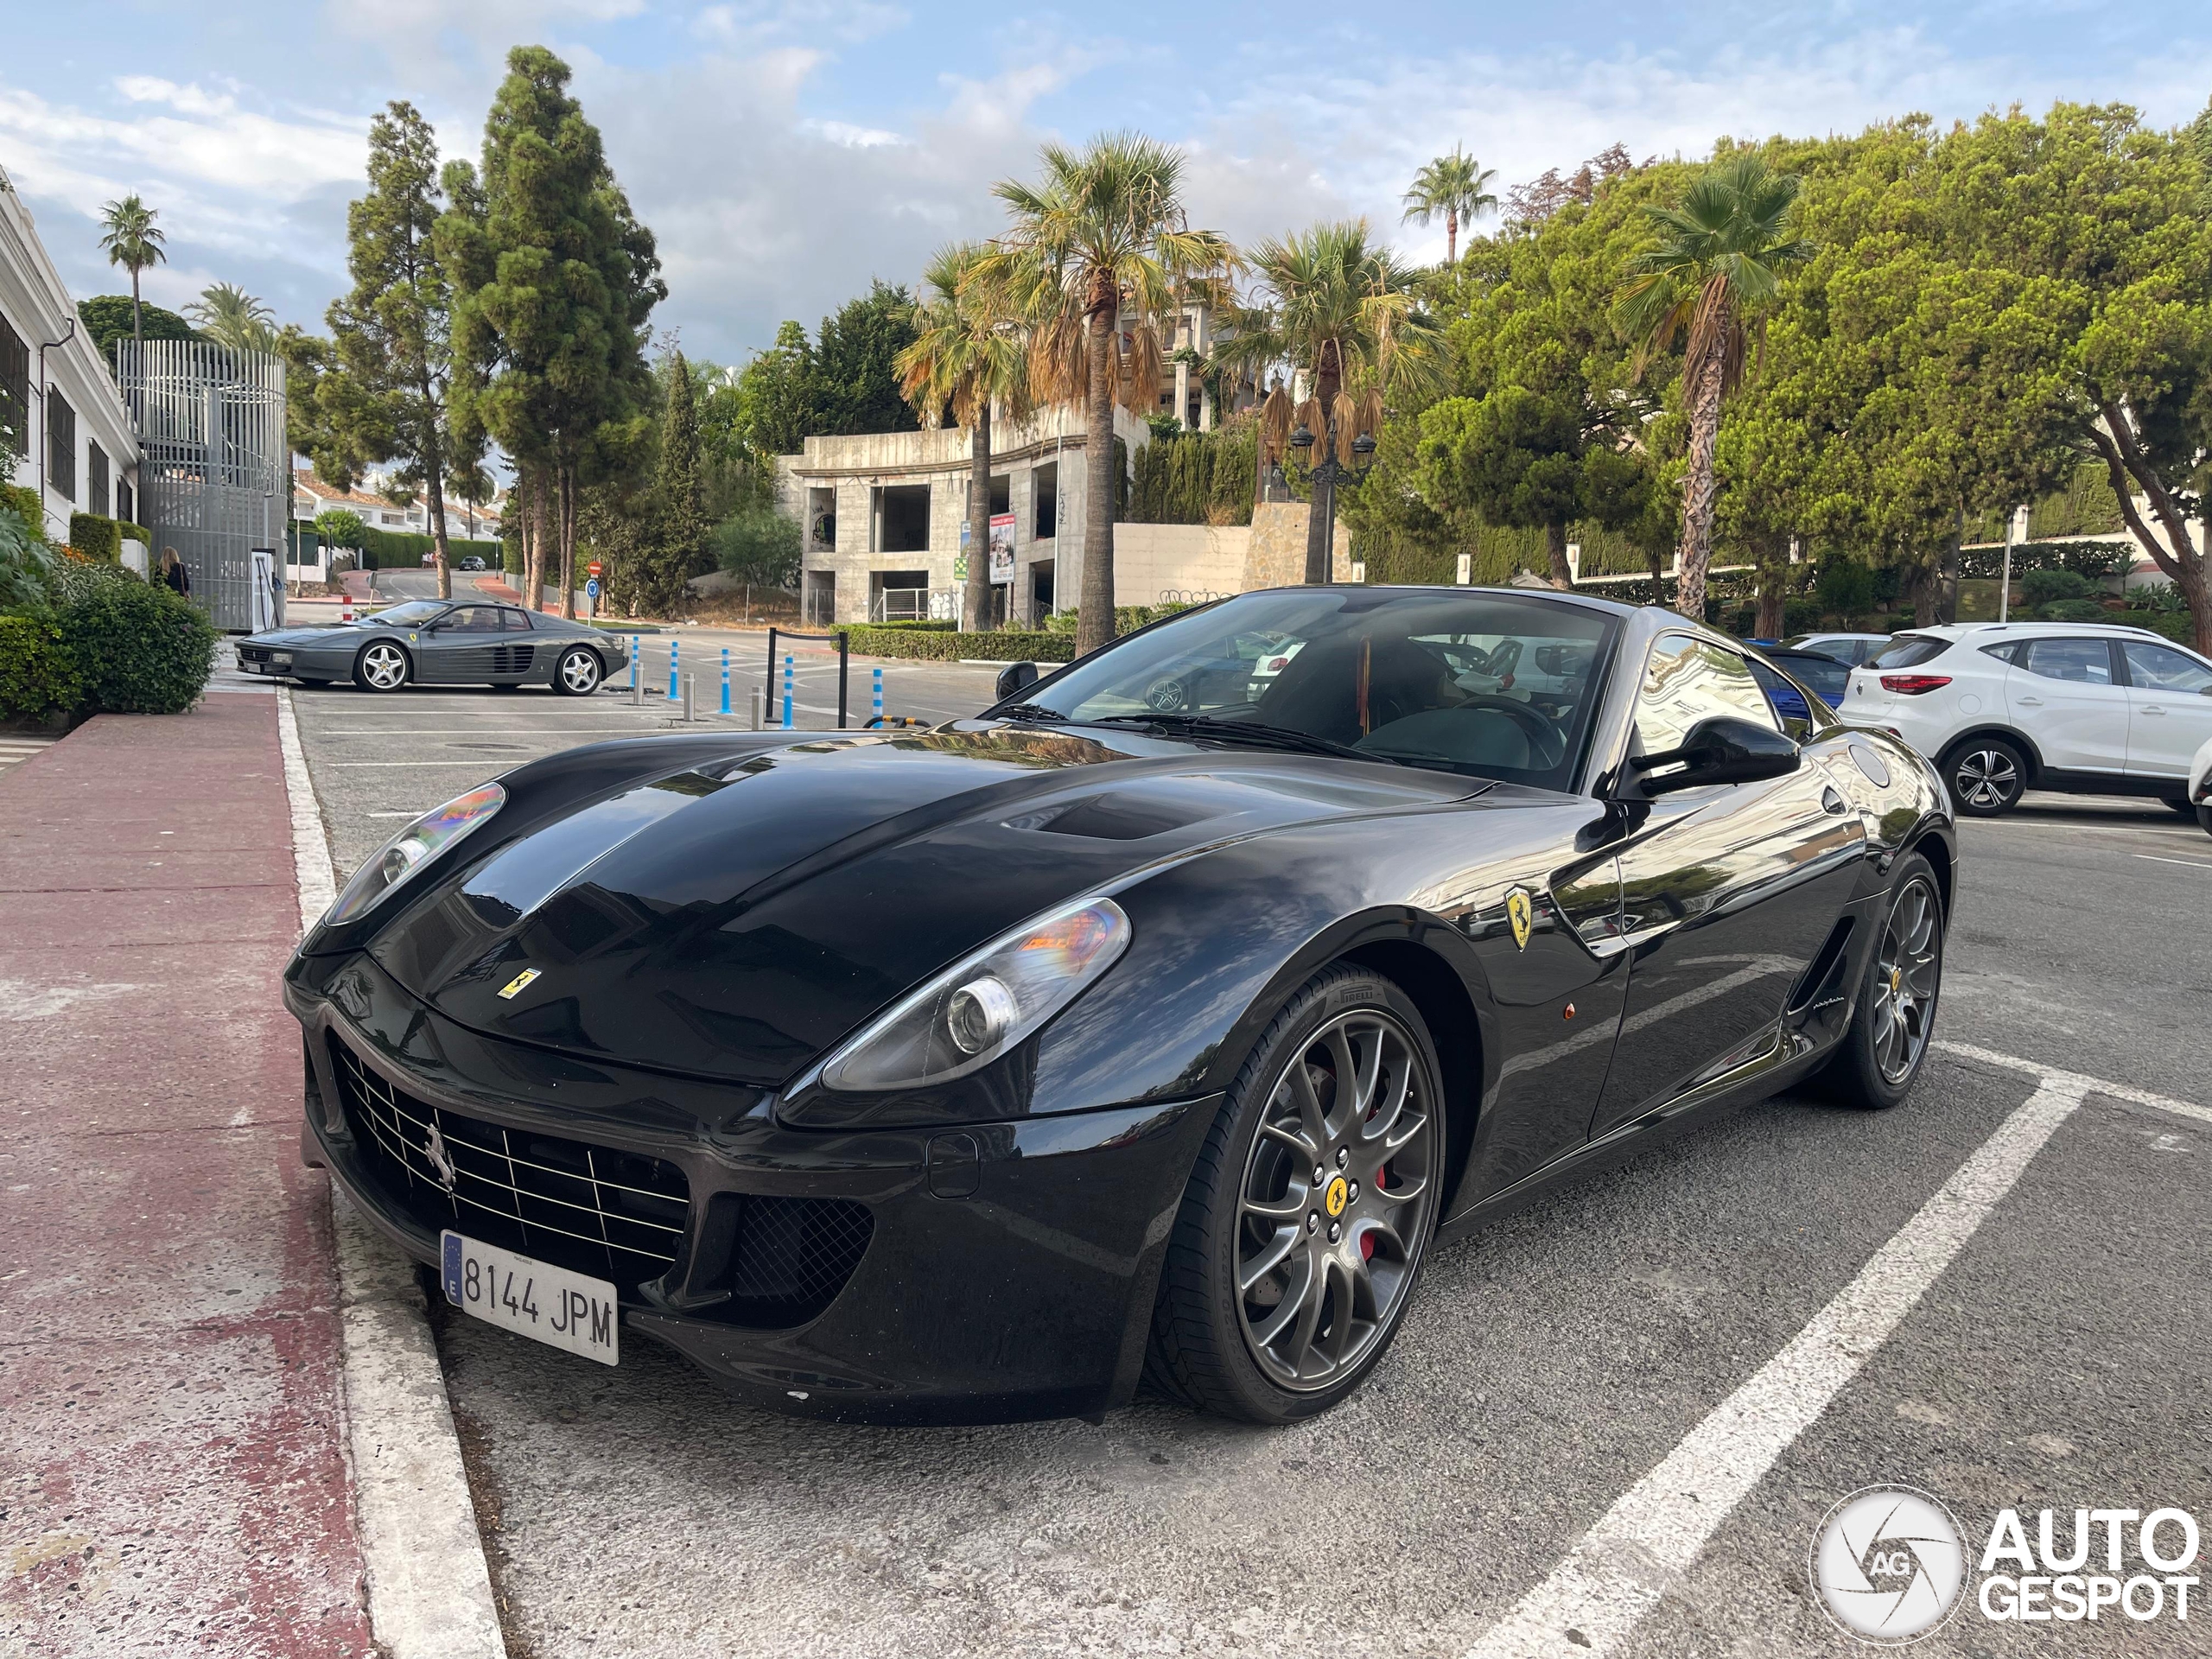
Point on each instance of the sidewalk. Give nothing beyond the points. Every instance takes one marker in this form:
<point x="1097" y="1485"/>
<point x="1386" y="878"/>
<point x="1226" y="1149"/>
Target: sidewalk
<point x="172" y="1441"/>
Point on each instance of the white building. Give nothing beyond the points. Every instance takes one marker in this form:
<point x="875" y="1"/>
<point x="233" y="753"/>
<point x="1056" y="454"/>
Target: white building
<point x="312" y="495"/>
<point x="63" y="427"/>
<point x="881" y="516"/>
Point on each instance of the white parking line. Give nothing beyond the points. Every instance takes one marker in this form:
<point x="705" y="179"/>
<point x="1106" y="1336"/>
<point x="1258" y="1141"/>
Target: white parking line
<point x="2194" y="863"/>
<point x="2095" y="1085"/>
<point x="1623" y="1566"/>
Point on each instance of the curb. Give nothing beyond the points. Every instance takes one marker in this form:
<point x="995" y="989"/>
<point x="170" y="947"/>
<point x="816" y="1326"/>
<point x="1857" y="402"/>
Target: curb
<point x="429" y="1590"/>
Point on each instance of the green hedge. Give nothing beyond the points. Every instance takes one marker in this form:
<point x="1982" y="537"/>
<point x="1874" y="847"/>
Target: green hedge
<point x="137" y="647"/>
<point x="393" y="549"/>
<point x="1001" y="644"/>
<point x="22" y="499"/>
<point x="38" y="675"/>
<point x="920" y="626"/>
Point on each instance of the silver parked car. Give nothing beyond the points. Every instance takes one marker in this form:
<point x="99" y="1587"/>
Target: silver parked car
<point x="440" y="642"/>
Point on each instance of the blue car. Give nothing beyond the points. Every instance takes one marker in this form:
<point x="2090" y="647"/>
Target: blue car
<point x="1802" y="671"/>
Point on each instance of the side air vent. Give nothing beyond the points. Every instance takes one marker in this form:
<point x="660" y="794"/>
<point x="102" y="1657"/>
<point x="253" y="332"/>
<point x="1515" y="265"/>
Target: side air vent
<point x="1824" y="979"/>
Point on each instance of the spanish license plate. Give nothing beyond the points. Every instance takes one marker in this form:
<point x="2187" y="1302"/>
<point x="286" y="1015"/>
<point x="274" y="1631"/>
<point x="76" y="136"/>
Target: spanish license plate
<point x="532" y="1299"/>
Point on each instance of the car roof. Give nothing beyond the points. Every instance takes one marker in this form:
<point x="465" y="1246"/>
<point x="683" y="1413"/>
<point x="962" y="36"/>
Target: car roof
<point x="1587" y="602"/>
<point x="2030" y="630"/>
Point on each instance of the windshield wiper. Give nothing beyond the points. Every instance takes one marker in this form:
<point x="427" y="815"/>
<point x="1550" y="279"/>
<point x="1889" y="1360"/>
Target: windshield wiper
<point x="1030" y="711"/>
<point x="1247" y="731"/>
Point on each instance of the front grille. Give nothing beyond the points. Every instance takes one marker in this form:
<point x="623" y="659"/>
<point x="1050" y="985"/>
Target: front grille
<point x="612" y="1214"/>
<point x="253" y="653"/>
<point x="794" y="1254"/>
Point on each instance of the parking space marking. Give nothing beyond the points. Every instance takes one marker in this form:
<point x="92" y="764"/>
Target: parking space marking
<point x="2126" y="1091"/>
<point x="2194" y="863"/>
<point x="1622" y="1566"/>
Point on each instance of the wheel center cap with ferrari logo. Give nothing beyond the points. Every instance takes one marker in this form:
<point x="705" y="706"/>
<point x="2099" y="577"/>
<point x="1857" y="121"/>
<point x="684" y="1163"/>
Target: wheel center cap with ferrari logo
<point x="1335" y="1196"/>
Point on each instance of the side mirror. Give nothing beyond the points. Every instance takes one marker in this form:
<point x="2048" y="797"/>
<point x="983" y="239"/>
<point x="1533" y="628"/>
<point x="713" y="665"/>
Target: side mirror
<point x="1722" y="750"/>
<point x="1016" y="676"/>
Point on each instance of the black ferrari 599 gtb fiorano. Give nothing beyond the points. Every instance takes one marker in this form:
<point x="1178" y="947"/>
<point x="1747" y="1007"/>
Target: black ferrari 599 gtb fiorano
<point x="1153" y="1025"/>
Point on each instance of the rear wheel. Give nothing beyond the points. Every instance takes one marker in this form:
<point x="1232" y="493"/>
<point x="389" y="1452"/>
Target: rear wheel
<point x="1306" y="1220"/>
<point x="382" y="667"/>
<point x="1891" y="1028"/>
<point x="1986" y="776"/>
<point x="577" y="673"/>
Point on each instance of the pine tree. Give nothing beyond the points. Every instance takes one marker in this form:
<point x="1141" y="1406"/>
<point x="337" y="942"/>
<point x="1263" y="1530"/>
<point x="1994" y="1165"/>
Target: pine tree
<point x="392" y="332"/>
<point x="674" y="545"/>
<point x="556" y="279"/>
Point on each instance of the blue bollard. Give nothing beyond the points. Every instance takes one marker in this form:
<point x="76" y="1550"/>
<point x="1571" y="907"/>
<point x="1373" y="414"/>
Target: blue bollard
<point x="673" y="647"/>
<point x="725" y="679"/>
<point x="633" y="662"/>
<point x="879" y="696"/>
<point x="788" y="722"/>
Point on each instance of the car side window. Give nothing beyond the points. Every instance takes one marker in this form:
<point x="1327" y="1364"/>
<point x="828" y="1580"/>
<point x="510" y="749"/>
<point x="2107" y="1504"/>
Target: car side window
<point x="1687" y="680"/>
<point x="515" y="621"/>
<point x="2161" y="668"/>
<point x="473" y="618"/>
<point x="2007" y="652"/>
<point x="2084" y="662"/>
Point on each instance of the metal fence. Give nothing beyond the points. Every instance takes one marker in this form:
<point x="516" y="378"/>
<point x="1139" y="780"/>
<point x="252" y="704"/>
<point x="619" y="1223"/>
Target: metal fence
<point x="213" y="469"/>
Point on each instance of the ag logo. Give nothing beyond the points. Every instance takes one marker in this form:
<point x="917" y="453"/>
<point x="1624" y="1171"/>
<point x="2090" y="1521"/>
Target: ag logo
<point x="1520" y="910"/>
<point x="1888" y="1564"/>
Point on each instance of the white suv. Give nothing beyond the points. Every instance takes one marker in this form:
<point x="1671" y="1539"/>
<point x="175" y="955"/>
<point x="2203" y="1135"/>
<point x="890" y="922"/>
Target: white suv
<point x="2087" y="708"/>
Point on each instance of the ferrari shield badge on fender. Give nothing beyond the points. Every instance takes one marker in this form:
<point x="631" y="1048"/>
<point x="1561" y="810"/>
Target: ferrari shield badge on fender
<point x="520" y="982"/>
<point x="1520" y="910"/>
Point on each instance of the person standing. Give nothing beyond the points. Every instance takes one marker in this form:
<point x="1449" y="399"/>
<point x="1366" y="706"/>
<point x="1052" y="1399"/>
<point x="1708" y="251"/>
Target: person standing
<point x="175" y="577"/>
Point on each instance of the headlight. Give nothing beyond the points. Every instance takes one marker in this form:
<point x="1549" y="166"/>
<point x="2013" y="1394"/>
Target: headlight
<point x="281" y="658"/>
<point x="975" y="1011"/>
<point x="406" y="852"/>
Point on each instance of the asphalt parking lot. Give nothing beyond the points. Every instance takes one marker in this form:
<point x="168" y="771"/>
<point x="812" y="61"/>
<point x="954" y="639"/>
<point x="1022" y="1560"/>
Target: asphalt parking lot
<point x="1572" y="1365"/>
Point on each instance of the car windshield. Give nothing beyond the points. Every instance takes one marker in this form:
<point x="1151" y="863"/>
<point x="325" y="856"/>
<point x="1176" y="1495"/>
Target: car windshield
<point x="412" y="614"/>
<point x="1488" y="682"/>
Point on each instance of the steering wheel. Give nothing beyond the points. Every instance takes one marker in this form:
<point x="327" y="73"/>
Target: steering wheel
<point x="1543" y="737"/>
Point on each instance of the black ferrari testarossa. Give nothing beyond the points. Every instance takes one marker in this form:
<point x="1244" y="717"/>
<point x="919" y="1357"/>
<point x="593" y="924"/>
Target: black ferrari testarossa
<point x="1153" y="1024"/>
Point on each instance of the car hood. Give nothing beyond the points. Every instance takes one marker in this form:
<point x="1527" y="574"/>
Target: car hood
<point x="735" y="918"/>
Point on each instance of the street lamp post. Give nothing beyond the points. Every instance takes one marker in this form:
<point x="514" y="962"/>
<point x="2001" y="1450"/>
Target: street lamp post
<point x="1320" y="550"/>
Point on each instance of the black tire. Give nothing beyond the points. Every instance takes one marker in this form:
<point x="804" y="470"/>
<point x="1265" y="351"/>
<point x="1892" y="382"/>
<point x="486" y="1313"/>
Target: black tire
<point x="373" y="668"/>
<point x="2204" y="818"/>
<point x="1355" y="1256"/>
<point x="578" y="672"/>
<point x="2180" y="804"/>
<point x="1906" y="986"/>
<point x="1985" y="777"/>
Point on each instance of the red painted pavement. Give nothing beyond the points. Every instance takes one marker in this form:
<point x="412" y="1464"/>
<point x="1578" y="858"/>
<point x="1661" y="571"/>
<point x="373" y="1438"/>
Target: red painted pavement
<point x="172" y="1466"/>
<point x="498" y="590"/>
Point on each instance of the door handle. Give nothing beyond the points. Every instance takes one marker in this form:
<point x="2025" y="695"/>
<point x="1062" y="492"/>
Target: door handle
<point x="2029" y="703"/>
<point x="2153" y="709"/>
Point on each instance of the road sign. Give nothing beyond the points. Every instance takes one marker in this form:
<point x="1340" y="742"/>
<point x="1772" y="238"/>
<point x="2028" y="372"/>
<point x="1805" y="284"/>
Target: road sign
<point x="591" y="588"/>
<point x="595" y="568"/>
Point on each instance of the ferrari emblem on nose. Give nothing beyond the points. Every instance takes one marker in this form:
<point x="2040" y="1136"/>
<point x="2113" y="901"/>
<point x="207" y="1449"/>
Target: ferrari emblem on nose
<point x="516" y="986"/>
<point x="441" y="1160"/>
<point x="1520" y="910"/>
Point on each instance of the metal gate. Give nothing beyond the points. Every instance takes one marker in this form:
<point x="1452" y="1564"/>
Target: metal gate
<point x="213" y="468"/>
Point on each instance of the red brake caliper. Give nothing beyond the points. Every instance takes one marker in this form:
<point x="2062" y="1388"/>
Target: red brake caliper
<point x="1367" y="1239"/>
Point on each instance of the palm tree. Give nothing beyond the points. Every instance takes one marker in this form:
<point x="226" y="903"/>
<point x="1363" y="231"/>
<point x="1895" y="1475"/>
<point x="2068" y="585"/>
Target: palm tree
<point x="1717" y="266"/>
<point x="1102" y="236"/>
<point x="230" y="316"/>
<point x="968" y="353"/>
<point x="1341" y="307"/>
<point x="1456" y="185"/>
<point x="133" y="241"/>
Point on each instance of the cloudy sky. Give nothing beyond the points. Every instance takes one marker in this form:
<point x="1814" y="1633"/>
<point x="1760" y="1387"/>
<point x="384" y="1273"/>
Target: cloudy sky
<point x="785" y="151"/>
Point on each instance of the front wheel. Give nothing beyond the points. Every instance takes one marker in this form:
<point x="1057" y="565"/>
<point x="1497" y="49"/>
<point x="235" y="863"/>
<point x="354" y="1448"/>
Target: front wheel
<point x="577" y="673"/>
<point x="1985" y="777"/>
<point x="1302" y="1232"/>
<point x="1881" y="1054"/>
<point x="2204" y="817"/>
<point x="380" y="667"/>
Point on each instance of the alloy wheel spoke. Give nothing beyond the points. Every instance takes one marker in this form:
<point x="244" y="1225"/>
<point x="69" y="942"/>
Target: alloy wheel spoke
<point x="1295" y="1296"/>
<point x="1275" y="1131"/>
<point x="1277" y="1253"/>
<point x="1292" y="1206"/>
<point x="1345" y="1097"/>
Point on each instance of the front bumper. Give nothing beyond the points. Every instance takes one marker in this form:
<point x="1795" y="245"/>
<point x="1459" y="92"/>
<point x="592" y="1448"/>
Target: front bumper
<point x="1009" y="1269"/>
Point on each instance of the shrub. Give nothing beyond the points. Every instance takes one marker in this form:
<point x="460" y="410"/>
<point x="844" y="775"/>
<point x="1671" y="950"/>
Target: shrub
<point x="38" y="676"/>
<point x="1002" y="645"/>
<point x="2048" y="587"/>
<point x="22" y="500"/>
<point x="2072" y="610"/>
<point x="1128" y="618"/>
<point x="918" y="624"/>
<point x="95" y="536"/>
<point x="138" y="648"/>
<point x="26" y="565"/>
